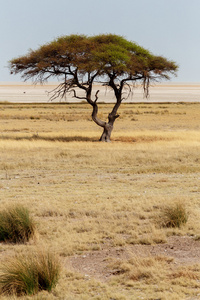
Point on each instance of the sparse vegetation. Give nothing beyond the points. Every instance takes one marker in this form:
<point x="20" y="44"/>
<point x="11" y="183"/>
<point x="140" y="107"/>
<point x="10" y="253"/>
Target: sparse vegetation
<point x="154" y="271"/>
<point x="29" y="274"/>
<point x="92" y="199"/>
<point x="16" y="225"/>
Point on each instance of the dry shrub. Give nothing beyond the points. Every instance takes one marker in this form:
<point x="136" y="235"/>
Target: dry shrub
<point x="174" y="215"/>
<point x="16" y="225"/>
<point x="27" y="275"/>
<point x="185" y="273"/>
<point x="140" y="268"/>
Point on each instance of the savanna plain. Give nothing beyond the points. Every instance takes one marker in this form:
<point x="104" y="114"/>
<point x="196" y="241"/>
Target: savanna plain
<point x="101" y="207"/>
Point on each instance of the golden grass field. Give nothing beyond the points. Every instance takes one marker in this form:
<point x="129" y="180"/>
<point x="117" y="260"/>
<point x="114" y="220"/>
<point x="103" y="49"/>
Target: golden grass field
<point x="99" y="205"/>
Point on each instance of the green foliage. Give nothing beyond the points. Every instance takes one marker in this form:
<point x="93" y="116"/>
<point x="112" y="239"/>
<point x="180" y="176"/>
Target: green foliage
<point x="101" y="55"/>
<point x="174" y="216"/>
<point x="29" y="274"/>
<point x="16" y="225"/>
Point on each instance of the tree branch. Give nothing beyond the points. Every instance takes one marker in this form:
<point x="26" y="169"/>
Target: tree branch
<point x="96" y="96"/>
<point x="78" y="97"/>
<point x="95" y="111"/>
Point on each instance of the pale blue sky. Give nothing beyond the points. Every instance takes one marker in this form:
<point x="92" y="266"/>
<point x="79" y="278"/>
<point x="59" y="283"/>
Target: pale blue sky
<point x="165" y="27"/>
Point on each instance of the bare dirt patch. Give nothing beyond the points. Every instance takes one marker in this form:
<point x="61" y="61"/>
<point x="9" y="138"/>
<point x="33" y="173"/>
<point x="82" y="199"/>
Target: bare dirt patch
<point x="182" y="251"/>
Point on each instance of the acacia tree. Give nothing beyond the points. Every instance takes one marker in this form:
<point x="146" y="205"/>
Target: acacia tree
<point x="79" y="61"/>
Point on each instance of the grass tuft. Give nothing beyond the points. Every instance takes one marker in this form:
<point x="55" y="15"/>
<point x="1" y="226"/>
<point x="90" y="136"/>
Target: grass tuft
<point x="174" y="216"/>
<point x="48" y="269"/>
<point x="27" y="275"/>
<point x="16" y="225"/>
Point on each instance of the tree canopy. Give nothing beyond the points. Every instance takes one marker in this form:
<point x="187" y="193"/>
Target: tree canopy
<point x="78" y="61"/>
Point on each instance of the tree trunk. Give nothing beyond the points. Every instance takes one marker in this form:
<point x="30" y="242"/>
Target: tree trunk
<point x="108" y="127"/>
<point x="105" y="137"/>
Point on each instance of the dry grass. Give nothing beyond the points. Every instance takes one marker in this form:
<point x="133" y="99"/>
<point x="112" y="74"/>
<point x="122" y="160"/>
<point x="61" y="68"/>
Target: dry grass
<point x="87" y="196"/>
<point x="153" y="274"/>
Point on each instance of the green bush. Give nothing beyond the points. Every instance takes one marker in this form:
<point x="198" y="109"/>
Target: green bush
<point x="27" y="275"/>
<point x="16" y="226"/>
<point x="175" y="215"/>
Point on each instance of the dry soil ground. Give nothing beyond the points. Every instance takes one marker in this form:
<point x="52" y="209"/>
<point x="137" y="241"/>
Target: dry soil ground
<point x="100" y="206"/>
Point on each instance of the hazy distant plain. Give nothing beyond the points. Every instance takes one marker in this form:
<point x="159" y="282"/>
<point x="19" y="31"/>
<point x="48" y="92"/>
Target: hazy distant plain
<point x="169" y="92"/>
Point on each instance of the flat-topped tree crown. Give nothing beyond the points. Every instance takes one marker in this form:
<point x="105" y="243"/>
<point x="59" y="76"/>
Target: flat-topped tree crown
<point x="78" y="61"/>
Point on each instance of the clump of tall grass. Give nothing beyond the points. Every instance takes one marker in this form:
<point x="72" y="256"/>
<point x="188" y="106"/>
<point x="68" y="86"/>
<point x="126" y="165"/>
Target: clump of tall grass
<point x="16" y="225"/>
<point x="27" y="275"/>
<point x="174" y="215"/>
